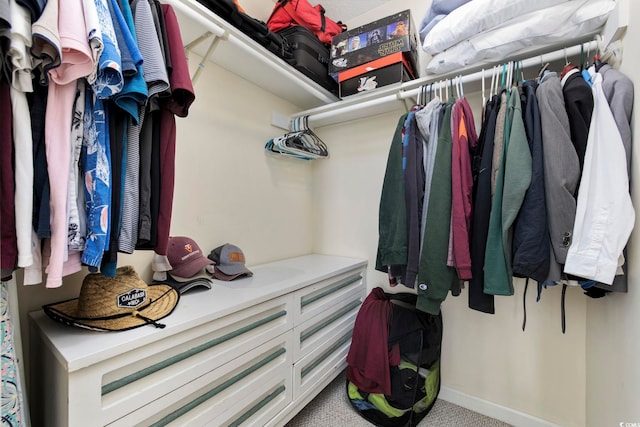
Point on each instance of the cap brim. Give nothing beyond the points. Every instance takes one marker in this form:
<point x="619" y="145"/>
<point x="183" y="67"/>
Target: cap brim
<point x="234" y="269"/>
<point x="163" y="300"/>
<point x="201" y="274"/>
<point x="191" y="268"/>
<point x="203" y="282"/>
<point x="218" y="274"/>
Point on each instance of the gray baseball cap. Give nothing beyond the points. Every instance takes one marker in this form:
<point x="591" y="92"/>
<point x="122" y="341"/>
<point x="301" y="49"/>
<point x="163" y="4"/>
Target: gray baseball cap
<point x="229" y="262"/>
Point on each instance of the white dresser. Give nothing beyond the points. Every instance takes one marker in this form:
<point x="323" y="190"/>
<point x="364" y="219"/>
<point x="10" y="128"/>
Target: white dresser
<point x="248" y="352"/>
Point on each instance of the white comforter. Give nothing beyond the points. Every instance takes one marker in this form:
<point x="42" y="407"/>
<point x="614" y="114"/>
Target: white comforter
<point x="564" y="21"/>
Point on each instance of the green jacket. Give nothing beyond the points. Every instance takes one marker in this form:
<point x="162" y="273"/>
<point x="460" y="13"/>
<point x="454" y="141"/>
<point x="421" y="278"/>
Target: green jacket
<point x="514" y="178"/>
<point x="392" y="218"/>
<point x="435" y="278"/>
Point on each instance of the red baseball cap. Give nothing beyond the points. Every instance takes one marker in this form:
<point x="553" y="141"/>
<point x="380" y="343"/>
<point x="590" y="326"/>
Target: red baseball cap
<point x="186" y="257"/>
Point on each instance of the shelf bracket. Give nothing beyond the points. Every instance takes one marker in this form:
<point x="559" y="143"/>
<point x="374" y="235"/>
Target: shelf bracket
<point x="207" y="54"/>
<point x="281" y="121"/>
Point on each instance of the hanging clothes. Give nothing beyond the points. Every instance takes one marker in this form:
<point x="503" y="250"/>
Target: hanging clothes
<point x="156" y="76"/>
<point x="604" y="214"/>
<point x="87" y="68"/>
<point x="177" y="104"/>
<point x="414" y="179"/>
<point x="530" y="247"/>
<point x="478" y="299"/>
<point x="619" y="91"/>
<point x="20" y="59"/>
<point x="8" y="246"/>
<point x="464" y="140"/>
<point x="428" y="121"/>
<point x="561" y="171"/>
<point x="77" y="222"/>
<point x="123" y="108"/>
<point x="578" y="101"/>
<point x="5" y="35"/>
<point x="514" y="177"/>
<point x="498" y="141"/>
<point x="435" y="277"/>
<point x="391" y="256"/>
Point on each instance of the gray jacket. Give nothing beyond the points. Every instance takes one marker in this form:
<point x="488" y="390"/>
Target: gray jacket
<point x="561" y="169"/>
<point x="618" y="89"/>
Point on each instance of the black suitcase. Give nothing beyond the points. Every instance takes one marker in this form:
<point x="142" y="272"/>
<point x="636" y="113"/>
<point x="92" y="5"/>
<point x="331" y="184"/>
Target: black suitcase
<point x="311" y="56"/>
<point x="254" y="28"/>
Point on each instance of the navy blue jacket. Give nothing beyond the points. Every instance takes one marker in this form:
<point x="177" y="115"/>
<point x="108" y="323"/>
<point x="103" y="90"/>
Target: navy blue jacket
<point x="482" y="162"/>
<point x="531" y="246"/>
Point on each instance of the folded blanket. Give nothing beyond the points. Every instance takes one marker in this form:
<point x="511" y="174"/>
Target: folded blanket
<point x="571" y="20"/>
<point x="477" y="16"/>
<point x="438" y="10"/>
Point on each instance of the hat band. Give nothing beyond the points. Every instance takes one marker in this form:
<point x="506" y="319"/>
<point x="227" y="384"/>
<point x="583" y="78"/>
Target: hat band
<point x="149" y="321"/>
<point x="121" y="315"/>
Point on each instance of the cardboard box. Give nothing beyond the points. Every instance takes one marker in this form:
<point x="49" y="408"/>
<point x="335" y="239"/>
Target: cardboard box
<point x="394" y="68"/>
<point x="395" y="33"/>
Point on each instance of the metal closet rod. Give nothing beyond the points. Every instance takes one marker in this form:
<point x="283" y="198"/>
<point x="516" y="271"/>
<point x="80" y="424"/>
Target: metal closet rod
<point x="411" y="89"/>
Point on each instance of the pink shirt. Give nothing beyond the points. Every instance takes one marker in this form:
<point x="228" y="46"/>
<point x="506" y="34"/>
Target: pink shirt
<point x="76" y="62"/>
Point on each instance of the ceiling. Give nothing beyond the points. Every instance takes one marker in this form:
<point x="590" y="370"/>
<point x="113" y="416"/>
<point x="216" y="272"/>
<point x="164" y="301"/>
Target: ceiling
<point x="347" y="10"/>
<point x="342" y="10"/>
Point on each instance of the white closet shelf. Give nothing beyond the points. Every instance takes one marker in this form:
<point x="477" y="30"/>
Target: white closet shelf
<point x="241" y="55"/>
<point x="399" y="96"/>
<point x="238" y="53"/>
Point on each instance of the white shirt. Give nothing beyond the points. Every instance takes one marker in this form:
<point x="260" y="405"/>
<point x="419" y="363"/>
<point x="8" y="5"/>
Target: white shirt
<point x="604" y="213"/>
<point x="22" y="137"/>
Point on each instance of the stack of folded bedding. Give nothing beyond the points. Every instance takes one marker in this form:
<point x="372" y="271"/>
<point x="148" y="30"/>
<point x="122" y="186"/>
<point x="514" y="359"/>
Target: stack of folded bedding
<point x="483" y="31"/>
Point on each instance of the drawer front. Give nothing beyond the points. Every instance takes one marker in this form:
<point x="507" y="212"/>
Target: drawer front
<point x="246" y="391"/>
<point x="324" y="327"/>
<point x="123" y="384"/>
<point x="327" y="360"/>
<point x="328" y="295"/>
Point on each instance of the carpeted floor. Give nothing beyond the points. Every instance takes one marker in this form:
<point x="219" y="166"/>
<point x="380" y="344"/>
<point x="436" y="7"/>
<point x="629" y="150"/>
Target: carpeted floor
<point x="331" y="408"/>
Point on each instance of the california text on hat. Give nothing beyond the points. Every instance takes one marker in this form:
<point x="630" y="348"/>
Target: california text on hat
<point x="186" y="257"/>
<point x="229" y="261"/>
<point x="115" y="303"/>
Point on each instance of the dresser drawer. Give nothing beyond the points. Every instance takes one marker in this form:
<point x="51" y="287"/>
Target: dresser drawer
<point x="253" y="386"/>
<point x="326" y="361"/>
<point x="127" y="382"/>
<point x="324" y="327"/>
<point x="328" y="295"/>
<point x="233" y="356"/>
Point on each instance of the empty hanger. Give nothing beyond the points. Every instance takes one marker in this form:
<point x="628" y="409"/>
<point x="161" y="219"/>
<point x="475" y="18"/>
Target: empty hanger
<point x="302" y="143"/>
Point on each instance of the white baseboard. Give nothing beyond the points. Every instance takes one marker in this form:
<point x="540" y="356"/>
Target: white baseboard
<point x="493" y="410"/>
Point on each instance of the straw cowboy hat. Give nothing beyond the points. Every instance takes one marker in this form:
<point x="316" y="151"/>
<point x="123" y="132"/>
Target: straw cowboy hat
<point x="115" y="303"/>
